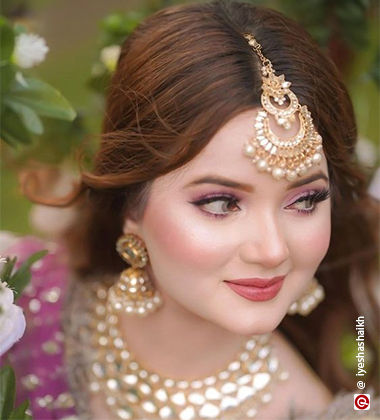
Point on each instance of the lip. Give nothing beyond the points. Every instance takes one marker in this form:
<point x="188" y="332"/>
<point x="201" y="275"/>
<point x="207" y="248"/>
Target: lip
<point x="257" y="289"/>
<point x="256" y="281"/>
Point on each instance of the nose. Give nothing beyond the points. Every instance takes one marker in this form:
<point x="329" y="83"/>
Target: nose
<point x="264" y="242"/>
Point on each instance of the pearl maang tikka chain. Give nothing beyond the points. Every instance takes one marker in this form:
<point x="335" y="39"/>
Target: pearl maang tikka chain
<point x="282" y="157"/>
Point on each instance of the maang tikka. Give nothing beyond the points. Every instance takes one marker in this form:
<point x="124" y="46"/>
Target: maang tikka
<point x="282" y="157"/>
<point x="133" y="293"/>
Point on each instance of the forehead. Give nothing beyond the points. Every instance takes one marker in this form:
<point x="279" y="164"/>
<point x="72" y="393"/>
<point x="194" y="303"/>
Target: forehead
<point x="224" y="156"/>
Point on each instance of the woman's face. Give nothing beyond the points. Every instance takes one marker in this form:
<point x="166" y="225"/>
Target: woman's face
<point x="240" y="224"/>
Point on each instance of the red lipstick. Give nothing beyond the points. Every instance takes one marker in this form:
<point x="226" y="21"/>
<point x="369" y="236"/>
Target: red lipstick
<point x="257" y="289"/>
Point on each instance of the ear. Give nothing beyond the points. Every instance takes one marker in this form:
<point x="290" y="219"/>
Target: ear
<point x="132" y="226"/>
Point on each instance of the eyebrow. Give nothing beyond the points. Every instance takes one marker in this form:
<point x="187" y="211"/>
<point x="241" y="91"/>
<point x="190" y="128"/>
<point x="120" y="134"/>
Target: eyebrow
<point x="218" y="180"/>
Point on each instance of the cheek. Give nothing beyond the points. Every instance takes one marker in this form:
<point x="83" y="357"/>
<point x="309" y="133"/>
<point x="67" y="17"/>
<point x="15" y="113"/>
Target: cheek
<point x="181" y="239"/>
<point x="310" y="242"/>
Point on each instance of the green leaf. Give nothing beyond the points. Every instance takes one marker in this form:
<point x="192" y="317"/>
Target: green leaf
<point x="42" y="98"/>
<point x="30" y="119"/>
<point x="9" y="138"/>
<point x="19" y="412"/>
<point x="19" y="28"/>
<point x="7" y="269"/>
<point x="100" y="81"/>
<point x="12" y="130"/>
<point x="7" y="75"/>
<point x="7" y="40"/>
<point x="20" y="278"/>
<point x="8" y="389"/>
<point x="117" y="26"/>
<point x="113" y="22"/>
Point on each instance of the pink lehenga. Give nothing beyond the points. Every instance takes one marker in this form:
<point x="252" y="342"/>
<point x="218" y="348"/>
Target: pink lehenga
<point x="51" y="360"/>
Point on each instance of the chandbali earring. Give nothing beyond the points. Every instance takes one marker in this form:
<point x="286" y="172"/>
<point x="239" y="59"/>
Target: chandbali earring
<point x="133" y="293"/>
<point x="309" y="301"/>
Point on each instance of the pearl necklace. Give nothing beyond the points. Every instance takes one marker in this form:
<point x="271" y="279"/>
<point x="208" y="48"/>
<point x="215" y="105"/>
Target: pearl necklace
<point x="132" y="392"/>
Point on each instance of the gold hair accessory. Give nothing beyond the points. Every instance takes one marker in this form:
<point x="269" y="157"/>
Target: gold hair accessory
<point x="134" y="293"/>
<point x="133" y="392"/>
<point x="309" y="301"/>
<point x="282" y="157"/>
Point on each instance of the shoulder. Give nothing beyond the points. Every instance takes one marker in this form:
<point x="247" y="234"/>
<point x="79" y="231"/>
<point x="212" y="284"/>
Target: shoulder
<point x="303" y="392"/>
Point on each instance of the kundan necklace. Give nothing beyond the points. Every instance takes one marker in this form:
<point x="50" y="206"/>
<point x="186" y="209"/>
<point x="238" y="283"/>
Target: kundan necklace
<point x="132" y="392"/>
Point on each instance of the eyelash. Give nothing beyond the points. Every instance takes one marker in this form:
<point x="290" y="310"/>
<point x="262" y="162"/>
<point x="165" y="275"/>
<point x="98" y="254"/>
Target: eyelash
<point x="313" y="196"/>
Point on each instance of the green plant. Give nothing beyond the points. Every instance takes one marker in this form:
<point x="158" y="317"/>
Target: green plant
<point x="25" y="99"/>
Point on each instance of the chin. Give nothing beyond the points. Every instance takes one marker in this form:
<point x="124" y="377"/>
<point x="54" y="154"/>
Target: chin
<point x="254" y="327"/>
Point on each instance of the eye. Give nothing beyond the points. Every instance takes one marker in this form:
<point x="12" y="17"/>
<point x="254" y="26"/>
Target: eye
<point x="219" y="205"/>
<point x="307" y="204"/>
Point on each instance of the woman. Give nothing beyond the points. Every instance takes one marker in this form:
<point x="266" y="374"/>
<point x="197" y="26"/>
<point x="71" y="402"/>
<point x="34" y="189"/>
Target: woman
<point x="226" y="180"/>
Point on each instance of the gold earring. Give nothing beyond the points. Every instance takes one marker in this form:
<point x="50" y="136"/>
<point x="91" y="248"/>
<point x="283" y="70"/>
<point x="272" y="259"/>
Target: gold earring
<point x="309" y="301"/>
<point x="134" y="293"/>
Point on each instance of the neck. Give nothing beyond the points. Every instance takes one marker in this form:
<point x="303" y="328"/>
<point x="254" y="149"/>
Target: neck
<point x="177" y="343"/>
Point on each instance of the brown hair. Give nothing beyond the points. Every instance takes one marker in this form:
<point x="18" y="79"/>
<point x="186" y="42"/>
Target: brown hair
<point x="182" y="74"/>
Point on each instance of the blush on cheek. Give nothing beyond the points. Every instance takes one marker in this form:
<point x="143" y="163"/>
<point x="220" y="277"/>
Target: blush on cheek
<point x="181" y="239"/>
<point x="313" y="243"/>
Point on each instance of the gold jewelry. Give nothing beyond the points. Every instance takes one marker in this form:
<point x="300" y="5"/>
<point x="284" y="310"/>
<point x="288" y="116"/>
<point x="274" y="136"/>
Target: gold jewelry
<point x="308" y="302"/>
<point x="132" y="392"/>
<point x="134" y="293"/>
<point x="282" y="157"/>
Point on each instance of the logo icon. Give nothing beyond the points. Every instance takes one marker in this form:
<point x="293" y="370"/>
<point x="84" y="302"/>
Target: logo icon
<point x="362" y="401"/>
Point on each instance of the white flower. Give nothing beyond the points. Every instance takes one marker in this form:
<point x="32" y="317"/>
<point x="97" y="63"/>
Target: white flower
<point x="12" y="320"/>
<point x="109" y="56"/>
<point x="30" y="50"/>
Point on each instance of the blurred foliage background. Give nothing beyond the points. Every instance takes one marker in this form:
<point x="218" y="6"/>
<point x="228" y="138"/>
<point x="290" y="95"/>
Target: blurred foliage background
<point x="76" y="32"/>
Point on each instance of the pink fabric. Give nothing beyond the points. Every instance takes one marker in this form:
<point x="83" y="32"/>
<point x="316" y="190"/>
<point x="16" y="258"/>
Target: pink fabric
<point x="31" y="354"/>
